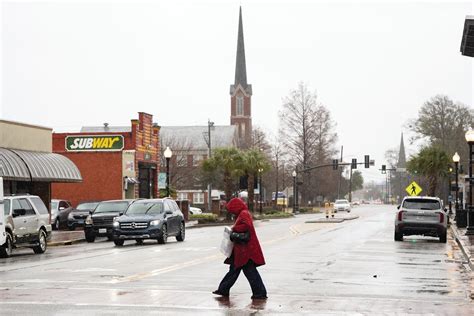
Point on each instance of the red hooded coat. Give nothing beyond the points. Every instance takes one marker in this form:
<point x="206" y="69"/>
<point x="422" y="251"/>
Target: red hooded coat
<point x="242" y="253"/>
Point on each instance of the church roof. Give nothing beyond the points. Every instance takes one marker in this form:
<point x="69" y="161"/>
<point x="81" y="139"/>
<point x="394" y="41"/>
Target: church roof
<point x="240" y="65"/>
<point x="402" y="160"/>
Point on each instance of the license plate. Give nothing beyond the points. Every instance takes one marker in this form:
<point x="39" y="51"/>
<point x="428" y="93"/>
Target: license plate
<point x="102" y="230"/>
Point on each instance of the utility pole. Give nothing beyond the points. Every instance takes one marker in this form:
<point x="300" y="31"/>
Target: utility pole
<point x="340" y="176"/>
<point x="276" y="182"/>
<point x="209" y="154"/>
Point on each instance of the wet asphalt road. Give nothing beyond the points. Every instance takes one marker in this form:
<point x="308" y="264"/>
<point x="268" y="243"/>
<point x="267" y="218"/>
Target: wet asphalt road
<point x="353" y="267"/>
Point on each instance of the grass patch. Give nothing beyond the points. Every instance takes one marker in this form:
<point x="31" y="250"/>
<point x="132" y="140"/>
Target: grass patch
<point x="274" y="214"/>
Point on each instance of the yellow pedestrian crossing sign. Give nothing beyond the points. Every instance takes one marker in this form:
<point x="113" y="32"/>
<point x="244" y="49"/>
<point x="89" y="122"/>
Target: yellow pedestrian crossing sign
<point x="413" y="189"/>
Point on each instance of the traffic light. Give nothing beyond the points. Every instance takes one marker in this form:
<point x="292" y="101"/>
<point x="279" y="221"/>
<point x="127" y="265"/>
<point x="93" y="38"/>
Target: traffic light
<point x="354" y="163"/>
<point x="366" y="161"/>
<point x="335" y="164"/>
<point x="384" y="169"/>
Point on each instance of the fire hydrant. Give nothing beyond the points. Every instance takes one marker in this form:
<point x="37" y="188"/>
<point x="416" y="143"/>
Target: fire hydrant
<point x="329" y="211"/>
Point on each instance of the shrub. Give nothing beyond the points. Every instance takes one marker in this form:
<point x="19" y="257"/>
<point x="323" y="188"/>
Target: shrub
<point x="204" y="218"/>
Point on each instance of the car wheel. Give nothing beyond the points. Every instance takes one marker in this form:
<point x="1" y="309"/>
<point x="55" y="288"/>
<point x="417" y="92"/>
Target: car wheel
<point x="56" y="224"/>
<point x="182" y="232"/>
<point x="42" y="243"/>
<point x="164" y="235"/>
<point x="139" y="241"/>
<point x="443" y="238"/>
<point x="398" y="236"/>
<point x="90" y="236"/>
<point x="6" y="248"/>
<point x="119" y="242"/>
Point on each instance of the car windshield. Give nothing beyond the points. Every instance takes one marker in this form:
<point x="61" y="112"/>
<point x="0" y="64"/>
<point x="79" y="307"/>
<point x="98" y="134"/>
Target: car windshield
<point x="341" y="202"/>
<point x="145" y="208"/>
<point x="111" y="207"/>
<point x="421" y="204"/>
<point x="54" y="205"/>
<point x="86" y="206"/>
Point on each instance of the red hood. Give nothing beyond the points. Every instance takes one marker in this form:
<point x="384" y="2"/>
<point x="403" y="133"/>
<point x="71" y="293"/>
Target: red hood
<point x="235" y="206"/>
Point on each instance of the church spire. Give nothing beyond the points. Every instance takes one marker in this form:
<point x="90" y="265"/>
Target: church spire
<point x="240" y="66"/>
<point x="402" y="160"/>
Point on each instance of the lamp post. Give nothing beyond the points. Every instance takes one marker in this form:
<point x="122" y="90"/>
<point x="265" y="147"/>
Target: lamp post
<point x="294" y="191"/>
<point x="260" y="190"/>
<point x="168" y="153"/>
<point x="470" y="225"/>
<point x="456" y="159"/>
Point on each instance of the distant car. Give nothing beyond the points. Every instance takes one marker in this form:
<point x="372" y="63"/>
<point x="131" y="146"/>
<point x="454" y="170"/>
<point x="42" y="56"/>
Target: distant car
<point x="77" y="216"/>
<point x="342" y="205"/>
<point x="355" y="203"/>
<point x="99" y="222"/>
<point x="150" y="219"/>
<point x="26" y="224"/>
<point x="60" y="210"/>
<point x="421" y="216"/>
<point x="194" y="210"/>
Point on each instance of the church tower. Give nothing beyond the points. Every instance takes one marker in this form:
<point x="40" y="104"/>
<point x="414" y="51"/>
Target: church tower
<point x="241" y="94"/>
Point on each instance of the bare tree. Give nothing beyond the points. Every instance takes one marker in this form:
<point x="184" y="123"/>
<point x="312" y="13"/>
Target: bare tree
<point x="308" y="134"/>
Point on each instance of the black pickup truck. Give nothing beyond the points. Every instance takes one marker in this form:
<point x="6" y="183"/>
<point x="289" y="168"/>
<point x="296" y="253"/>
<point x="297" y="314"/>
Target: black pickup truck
<point x="99" y="222"/>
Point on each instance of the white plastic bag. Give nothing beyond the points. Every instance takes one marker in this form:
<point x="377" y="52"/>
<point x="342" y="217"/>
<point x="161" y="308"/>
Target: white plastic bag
<point x="226" y="244"/>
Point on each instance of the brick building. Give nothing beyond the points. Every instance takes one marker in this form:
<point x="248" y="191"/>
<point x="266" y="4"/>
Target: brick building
<point x="115" y="162"/>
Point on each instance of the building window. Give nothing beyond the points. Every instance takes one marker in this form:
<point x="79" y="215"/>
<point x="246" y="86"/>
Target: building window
<point x="240" y="105"/>
<point x="197" y="160"/>
<point x="182" y="196"/>
<point x="198" y="198"/>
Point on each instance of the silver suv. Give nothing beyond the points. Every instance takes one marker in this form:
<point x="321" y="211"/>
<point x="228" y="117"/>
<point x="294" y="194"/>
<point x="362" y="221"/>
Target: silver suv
<point x="26" y="222"/>
<point x="421" y="216"/>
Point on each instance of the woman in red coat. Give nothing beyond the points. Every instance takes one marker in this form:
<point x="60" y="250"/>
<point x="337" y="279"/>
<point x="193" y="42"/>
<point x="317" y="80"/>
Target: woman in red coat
<point x="245" y="256"/>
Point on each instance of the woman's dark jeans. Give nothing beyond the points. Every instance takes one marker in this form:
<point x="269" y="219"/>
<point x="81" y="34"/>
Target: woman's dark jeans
<point x="252" y="275"/>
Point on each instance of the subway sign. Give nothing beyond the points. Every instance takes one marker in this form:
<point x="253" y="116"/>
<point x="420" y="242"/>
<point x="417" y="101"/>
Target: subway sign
<point x="94" y="143"/>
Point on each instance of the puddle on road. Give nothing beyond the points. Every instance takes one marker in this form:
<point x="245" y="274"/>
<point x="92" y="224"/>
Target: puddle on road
<point x="442" y="292"/>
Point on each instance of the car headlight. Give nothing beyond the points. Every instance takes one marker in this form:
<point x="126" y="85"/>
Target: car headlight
<point x="156" y="222"/>
<point x="116" y="224"/>
<point x="70" y="217"/>
<point x="89" y="220"/>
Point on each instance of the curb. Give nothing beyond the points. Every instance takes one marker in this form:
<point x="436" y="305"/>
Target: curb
<point x="463" y="247"/>
<point x="333" y="220"/>
<point x="65" y="242"/>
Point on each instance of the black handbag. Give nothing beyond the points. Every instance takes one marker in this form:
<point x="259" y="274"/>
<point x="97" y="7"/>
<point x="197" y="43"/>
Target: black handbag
<point x="240" y="238"/>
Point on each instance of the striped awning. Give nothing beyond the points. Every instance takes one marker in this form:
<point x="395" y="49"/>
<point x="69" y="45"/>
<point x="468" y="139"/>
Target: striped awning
<point x="22" y="165"/>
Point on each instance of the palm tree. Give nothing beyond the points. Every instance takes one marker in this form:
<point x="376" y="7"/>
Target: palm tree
<point x="431" y="162"/>
<point x="253" y="162"/>
<point x="225" y="162"/>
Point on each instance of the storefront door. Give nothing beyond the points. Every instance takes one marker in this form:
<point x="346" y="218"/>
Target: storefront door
<point x="146" y="177"/>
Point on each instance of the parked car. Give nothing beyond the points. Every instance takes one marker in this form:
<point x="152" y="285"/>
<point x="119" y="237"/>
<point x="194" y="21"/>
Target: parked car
<point x="150" y="219"/>
<point x="194" y="210"/>
<point x="342" y="205"/>
<point x="77" y="216"/>
<point x="26" y="224"/>
<point x="60" y="210"/>
<point x="421" y="216"/>
<point x="99" y="222"/>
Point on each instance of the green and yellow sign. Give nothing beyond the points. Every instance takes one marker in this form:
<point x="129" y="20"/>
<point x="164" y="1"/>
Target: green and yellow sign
<point x="94" y="143"/>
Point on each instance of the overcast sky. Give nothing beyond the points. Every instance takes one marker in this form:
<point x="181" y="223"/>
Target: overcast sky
<point x="66" y="64"/>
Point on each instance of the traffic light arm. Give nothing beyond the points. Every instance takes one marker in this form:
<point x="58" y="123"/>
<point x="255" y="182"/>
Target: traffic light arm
<point x="330" y="165"/>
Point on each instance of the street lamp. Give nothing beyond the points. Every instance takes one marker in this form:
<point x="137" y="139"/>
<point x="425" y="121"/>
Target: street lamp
<point x="168" y="153"/>
<point x="456" y="159"/>
<point x="260" y="190"/>
<point x="470" y="217"/>
<point x="294" y="191"/>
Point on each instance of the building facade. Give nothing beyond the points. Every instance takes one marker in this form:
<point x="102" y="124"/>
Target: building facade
<point x="116" y="162"/>
<point x="27" y="164"/>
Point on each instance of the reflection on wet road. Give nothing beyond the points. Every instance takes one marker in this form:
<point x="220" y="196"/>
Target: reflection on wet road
<point x="349" y="267"/>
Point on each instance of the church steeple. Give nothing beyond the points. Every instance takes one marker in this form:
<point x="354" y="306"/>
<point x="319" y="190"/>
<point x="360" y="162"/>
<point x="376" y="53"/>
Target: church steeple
<point x="241" y="93"/>
<point x="240" y="66"/>
<point x="402" y="160"/>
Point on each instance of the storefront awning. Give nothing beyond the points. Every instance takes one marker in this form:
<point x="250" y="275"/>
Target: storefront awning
<point x="21" y="165"/>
